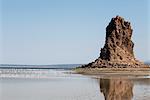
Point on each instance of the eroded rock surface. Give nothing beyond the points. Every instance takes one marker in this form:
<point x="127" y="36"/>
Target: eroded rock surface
<point x="118" y="48"/>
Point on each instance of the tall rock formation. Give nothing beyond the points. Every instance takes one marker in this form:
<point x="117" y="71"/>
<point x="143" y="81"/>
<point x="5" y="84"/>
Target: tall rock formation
<point x="118" y="44"/>
<point x="118" y="48"/>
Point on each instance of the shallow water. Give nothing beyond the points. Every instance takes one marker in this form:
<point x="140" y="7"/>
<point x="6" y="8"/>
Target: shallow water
<point x="48" y="84"/>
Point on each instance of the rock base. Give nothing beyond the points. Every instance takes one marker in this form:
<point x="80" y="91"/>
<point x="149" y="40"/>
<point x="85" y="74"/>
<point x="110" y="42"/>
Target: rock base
<point x="99" y="63"/>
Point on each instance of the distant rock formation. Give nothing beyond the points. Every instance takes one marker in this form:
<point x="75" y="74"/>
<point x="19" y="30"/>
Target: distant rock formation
<point x="118" y="44"/>
<point x="116" y="89"/>
<point x="118" y="49"/>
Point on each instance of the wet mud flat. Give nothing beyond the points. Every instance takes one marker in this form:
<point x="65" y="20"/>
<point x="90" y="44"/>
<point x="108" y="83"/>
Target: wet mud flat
<point x="114" y="71"/>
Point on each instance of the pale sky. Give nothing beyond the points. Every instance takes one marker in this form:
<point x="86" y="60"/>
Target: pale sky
<point x="66" y="31"/>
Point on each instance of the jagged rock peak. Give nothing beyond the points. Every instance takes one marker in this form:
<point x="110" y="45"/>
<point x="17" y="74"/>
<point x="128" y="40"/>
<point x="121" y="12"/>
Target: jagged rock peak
<point x="118" y="48"/>
<point x="118" y="44"/>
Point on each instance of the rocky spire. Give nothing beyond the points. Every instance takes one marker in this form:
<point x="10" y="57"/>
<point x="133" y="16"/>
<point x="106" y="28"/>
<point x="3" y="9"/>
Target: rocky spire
<point x="118" y="44"/>
<point x="118" y="48"/>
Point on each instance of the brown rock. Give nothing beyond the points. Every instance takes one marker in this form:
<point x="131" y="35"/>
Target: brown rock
<point x="118" y="49"/>
<point x="118" y="40"/>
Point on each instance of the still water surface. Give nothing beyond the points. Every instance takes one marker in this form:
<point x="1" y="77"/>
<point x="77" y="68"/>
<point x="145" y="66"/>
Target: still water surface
<point x="50" y="84"/>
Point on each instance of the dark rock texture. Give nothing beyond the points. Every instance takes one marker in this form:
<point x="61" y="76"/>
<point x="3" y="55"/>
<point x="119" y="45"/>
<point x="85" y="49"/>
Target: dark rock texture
<point x="118" y="40"/>
<point x="118" y="49"/>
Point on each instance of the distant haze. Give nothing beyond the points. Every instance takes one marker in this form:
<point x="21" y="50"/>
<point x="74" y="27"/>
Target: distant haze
<point x="66" y="31"/>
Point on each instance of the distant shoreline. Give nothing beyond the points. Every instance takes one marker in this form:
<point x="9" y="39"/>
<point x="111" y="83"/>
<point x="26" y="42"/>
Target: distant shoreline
<point x="30" y="68"/>
<point x="57" y="66"/>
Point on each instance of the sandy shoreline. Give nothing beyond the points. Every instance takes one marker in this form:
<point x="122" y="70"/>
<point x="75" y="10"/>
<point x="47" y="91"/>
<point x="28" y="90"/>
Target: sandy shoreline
<point x="114" y="71"/>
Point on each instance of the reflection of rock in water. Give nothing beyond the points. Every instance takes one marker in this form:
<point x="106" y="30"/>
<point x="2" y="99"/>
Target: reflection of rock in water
<point x="116" y="89"/>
